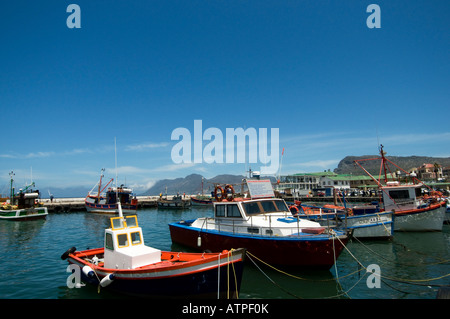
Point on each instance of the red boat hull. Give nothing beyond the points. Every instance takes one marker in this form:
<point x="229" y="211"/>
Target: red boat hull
<point x="314" y="253"/>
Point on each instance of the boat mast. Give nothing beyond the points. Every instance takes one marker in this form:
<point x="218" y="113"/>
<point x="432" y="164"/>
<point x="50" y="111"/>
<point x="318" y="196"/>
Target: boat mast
<point x="100" y="185"/>
<point x="383" y="162"/>
<point x="11" y="190"/>
<point x="202" y="186"/>
<point x="119" y="206"/>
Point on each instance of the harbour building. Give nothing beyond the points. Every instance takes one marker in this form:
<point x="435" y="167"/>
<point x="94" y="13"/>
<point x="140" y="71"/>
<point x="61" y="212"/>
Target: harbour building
<point x="321" y="183"/>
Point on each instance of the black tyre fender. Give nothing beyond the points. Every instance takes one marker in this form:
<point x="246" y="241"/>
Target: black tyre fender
<point x="68" y="252"/>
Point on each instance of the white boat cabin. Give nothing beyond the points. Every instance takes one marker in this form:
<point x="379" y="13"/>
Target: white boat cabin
<point x="263" y="217"/>
<point x="402" y="197"/>
<point x="245" y="209"/>
<point x="262" y="214"/>
<point x="124" y="245"/>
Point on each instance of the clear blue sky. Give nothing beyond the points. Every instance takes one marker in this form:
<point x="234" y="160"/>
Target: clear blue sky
<point x="137" y="70"/>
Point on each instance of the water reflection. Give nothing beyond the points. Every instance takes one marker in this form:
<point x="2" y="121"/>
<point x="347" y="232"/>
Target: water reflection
<point x="16" y="233"/>
<point x="26" y="245"/>
<point x="412" y="265"/>
<point x="260" y="281"/>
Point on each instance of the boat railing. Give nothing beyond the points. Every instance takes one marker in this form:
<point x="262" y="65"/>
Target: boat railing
<point x="251" y="226"/>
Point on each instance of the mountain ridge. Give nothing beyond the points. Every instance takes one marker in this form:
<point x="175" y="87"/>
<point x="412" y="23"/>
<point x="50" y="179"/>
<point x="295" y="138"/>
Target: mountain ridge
<point x="192" y="184"/>
<point x="347" y="165"/>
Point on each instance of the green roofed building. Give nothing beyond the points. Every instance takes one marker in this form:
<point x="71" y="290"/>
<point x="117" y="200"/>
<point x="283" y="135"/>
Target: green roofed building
<point x="306" y="183"/>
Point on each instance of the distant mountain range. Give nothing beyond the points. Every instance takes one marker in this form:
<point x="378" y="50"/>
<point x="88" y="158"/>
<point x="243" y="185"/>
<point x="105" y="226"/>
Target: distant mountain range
<point x="347" y="165"/>
<point x="192" y="184"/>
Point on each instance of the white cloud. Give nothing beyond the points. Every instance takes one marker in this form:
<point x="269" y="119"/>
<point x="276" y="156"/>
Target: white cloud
<point x="76" y="151"/>
<point x="7" y="156"/>
<point x="323" y="163"/>
<point x="39" y="154"/>
<point x="141" y="187"/>
<point x="42" y="154"/>
<point x="144" y="146"/>
<point x="174" y="167"/>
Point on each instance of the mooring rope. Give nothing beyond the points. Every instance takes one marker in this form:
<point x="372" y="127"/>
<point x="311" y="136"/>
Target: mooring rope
<point x="409" y="281"/>
<point x="419" y="282"/>
<point x="401" y="263"/>
<point x="270" y="279"/>
<point x="234" y="274"/>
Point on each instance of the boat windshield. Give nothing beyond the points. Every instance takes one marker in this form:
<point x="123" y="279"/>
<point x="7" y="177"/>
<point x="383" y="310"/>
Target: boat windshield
<point x="264" y="206"/>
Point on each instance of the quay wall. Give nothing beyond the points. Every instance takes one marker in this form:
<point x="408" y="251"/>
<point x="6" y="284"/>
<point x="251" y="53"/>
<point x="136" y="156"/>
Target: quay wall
<point x="77" y="204"/>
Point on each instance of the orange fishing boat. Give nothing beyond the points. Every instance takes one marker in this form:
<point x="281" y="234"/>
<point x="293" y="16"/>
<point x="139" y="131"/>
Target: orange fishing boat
<point x="126" y="265"/>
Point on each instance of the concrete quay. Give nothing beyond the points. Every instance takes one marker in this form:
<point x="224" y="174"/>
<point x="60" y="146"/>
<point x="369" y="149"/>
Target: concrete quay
<point x="60" y="205"/>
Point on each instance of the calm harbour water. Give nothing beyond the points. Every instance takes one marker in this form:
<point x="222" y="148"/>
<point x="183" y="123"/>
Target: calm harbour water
<point x="31" y="267"/>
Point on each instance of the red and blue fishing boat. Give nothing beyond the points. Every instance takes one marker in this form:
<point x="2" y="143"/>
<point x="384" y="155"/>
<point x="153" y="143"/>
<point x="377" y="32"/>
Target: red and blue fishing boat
<point x="264" y="226"/>
<point x="126" y="265"/>
<point x="108" y="202"/>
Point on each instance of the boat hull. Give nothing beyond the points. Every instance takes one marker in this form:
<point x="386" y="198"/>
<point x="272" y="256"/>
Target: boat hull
<point x="366" y="226"/>
<point x="430" y="218"/>
<point x="372" y="226"/>
<point x="216" y="276"/>
<point x="310" y="251"/>
<point x="110" y="208"/>
<point x="201" y="202"/>
<point x="447" y="213"/>
<point x="24" y="214"/>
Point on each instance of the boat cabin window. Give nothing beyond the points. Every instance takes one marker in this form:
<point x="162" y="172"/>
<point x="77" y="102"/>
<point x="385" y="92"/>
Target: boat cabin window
<point x="252" y="208"/>
<point x="399" y="194"/>
<point x="122" y="240"/>
<point x="135" y="238"/>
<point x="229" y="210"/>
<point x="233" y="211"/>
<point x="418" y="192"/>
<point x="131" y="221"/>
<point x="109" y="241"/>
<point x="268" y="206"/>
<point x="264" y="206"/>
<point x="281" y="205"/>
<point x="220" y="211"/>
<point x="117" y="223"/>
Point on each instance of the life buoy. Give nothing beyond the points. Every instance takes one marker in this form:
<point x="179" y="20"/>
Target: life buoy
<point x="68" y="252"/>
<point x="227" y="188"/>
<point x="436" y="193"/>
<point x="294" y="210"/>
<point x="219" y="199"/>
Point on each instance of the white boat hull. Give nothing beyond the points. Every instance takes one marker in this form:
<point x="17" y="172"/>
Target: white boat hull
<point x="377" y="225"/>
<point x="447" y="214"/>
<point x="24" y="214"/>
<point x="430" y="220"/>
<point x="109" y="210"/>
